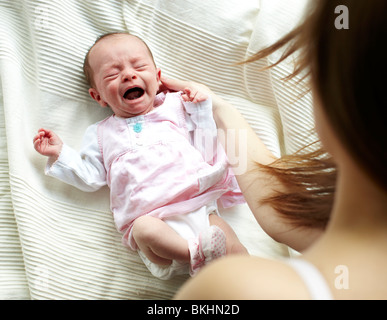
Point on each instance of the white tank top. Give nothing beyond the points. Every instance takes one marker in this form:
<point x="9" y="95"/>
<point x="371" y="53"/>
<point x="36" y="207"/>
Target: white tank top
<point x="313" y="279"/>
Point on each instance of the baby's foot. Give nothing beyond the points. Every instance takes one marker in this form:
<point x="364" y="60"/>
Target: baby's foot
<point x="210" y="245"/>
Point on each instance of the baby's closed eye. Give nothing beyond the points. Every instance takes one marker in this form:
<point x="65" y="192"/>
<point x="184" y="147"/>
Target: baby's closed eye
<point x="111" y="76"/>
<point x="141" y="67"/>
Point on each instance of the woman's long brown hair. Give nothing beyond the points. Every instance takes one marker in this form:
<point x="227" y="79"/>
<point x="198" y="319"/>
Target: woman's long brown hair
<point x="347" y="69"/>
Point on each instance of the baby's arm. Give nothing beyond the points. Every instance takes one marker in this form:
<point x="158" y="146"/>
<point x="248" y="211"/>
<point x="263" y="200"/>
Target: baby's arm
<point x="47" y="143"/>
<point x="84" y="170"/>
<point x="200" y="122"/>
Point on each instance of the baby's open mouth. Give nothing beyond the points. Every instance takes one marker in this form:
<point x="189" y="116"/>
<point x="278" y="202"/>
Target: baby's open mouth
<point x="133" y="93"/>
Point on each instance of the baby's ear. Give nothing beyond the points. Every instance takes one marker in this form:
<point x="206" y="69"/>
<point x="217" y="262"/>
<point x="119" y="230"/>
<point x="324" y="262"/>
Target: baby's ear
<point x="158" y="77"/>
<point x="97" y="97"/>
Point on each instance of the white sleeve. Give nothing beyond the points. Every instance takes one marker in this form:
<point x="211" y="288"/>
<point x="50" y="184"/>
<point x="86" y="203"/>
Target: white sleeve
<point x="201" y="122"/>
<point x="201" y="114"/>
<point x="84" y="170"/>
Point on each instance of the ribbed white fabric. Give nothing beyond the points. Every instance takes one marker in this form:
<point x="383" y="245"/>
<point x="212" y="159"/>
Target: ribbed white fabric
<point x="57" y="242"/>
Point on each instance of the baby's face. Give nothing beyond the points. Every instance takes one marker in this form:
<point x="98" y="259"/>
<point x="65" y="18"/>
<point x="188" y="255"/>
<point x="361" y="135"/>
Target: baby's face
<point x="125" y="76"/>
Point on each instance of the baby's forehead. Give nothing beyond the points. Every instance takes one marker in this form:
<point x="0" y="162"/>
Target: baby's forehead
<point x="118" y="44"/>
<point x="123" y="39"/>
<point x="119" y="37"/>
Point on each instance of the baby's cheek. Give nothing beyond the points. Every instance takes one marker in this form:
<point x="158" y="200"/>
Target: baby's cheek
<point x="112" y="89"/>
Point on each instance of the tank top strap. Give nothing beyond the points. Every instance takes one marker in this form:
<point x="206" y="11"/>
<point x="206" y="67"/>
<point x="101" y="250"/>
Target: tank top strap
<point x="313" y="279"/>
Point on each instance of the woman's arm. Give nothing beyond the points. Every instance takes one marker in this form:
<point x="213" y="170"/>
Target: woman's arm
<point x="255" y="183"/>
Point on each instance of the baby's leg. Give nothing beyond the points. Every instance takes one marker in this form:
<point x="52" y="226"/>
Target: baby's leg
<point x="159" y="242"/>
<point x="233" y="245"/>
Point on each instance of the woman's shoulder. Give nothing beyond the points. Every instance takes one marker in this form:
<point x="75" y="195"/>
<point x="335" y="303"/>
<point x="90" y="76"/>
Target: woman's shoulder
<point x="245" y="278"/>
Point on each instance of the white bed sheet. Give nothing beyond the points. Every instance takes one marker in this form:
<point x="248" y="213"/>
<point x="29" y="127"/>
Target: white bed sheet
<point x="57" y="242"/>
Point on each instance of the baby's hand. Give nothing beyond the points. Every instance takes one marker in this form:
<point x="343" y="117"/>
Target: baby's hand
<point x="47" y="143"/>
<point x="193" y="94"/>
<point x="202" y="91"/>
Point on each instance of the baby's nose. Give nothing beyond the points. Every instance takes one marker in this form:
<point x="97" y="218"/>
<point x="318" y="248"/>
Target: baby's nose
<point x="129" y="75"/>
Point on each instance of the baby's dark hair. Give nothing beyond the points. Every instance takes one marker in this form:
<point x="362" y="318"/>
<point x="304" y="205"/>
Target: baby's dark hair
<point x="87" y="70"/>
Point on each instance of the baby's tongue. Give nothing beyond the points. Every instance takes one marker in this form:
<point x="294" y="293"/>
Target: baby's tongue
<point x="133" y="93"/>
